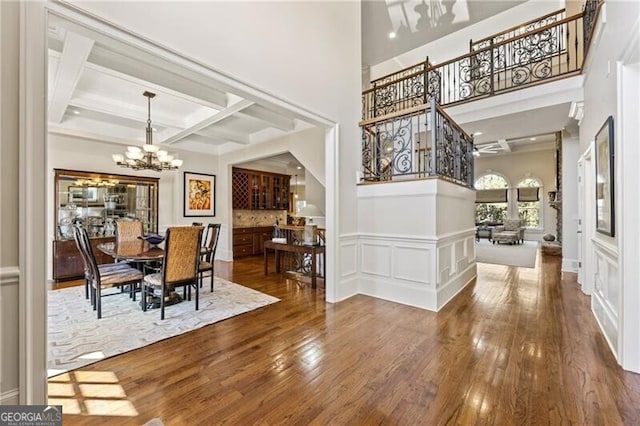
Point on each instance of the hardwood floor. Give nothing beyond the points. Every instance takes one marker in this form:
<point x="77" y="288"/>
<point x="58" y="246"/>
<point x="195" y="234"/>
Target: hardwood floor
<point x="519" y="346"/>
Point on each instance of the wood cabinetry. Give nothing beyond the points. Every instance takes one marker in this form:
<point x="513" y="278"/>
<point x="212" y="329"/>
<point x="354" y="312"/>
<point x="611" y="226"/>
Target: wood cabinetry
<point x="67" y="261"/>
<point x="256" y="190"/>
<point x="96" y="201"/>
<point x="249" y="241"/>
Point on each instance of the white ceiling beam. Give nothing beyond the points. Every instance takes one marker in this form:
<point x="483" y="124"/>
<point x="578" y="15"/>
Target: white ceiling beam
<point x="225" y="135"/>
<point x="101" y="105"/>
<point x="504" y="145"/>
<point x="126" y="66"/>
<point x="72" y="60"/>
<point x="270" y="118"/>
<point x="219" y="116"/>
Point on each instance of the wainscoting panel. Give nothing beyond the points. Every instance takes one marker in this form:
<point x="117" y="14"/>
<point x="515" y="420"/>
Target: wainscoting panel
<point x="425" y="273"/>
<point x="9" y="338"/>
<point x="376" y="258"/>
<point x="412" y="263"/>
<point x="605" y="301"/>
<point x="348" y="256"/>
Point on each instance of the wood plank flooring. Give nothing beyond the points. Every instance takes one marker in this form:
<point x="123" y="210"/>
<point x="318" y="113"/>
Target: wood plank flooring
<point x="517" y="347"/>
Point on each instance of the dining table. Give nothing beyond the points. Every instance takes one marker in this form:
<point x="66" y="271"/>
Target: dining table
<point x="139" y="251"/>
<point x="132" y="251"/>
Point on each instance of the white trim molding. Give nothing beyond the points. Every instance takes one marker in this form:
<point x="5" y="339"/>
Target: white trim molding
<point x="11" y="397"/>
<point x="9" y="275"/>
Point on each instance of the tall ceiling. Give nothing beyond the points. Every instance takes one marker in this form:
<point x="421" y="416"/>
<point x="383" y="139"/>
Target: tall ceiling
<point x="96" y="87"/>
<point x="418" y="22"/>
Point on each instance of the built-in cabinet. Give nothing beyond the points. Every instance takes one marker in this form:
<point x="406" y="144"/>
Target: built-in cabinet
<point x="249" y="241"/>
<point x="257" y="190"/>
<point x="95" y="201"/>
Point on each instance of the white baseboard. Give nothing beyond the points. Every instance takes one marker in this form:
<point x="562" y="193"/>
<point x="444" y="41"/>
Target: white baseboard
<point x="420" y="296"/>
<point x="570" y="265"/>
<point x="348" y="287"/>
<point x="11" y="397"/>
<point x="456" y="285"/>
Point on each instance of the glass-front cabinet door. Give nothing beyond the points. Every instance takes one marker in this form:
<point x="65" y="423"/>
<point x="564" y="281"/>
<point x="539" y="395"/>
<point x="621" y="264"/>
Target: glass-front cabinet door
<point x="96" y="201"/>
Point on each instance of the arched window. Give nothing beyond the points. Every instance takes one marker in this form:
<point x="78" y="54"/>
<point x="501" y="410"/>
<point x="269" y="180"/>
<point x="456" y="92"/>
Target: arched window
<point x="491" y="202"/>
<point x="529" y="206"/>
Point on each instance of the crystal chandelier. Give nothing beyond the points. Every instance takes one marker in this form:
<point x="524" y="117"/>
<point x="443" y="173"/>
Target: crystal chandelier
<point x="149" y="157"/>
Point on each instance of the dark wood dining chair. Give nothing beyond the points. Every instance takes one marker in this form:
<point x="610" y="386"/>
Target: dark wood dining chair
<point x="105" y="269"/>
<point x="127" y="276"/>
<point x="208" y="255"/>
<point x="179" y="267"/>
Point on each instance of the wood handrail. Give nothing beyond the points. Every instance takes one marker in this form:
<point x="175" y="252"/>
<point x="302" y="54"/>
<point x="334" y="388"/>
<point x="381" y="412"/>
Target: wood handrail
<point x="493" y="46"/>
<point x="389" y="83"/>
<point x="557" y="12"/>
<point x="407" y="111"/>
<point x="426" y="63"/>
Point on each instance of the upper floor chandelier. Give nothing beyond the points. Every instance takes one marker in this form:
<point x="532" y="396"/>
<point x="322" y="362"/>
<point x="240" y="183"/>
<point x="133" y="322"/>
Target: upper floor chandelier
<point x="150" y="156"/>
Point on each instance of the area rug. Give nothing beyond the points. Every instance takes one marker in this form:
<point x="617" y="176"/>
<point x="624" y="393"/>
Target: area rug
<point x="77" y="338"/>
<point x="523" y="255"/>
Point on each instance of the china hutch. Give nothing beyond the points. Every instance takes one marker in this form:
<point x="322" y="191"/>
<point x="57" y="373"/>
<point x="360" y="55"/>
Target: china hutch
<point x="95" y="201"/>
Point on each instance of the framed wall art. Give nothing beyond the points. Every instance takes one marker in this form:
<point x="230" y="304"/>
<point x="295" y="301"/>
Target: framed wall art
<point x="605" y="173"/>
<point x="199" y="194"/>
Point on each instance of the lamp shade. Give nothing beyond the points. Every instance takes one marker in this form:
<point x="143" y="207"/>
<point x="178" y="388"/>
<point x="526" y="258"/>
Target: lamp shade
<point x="310" y="210"/>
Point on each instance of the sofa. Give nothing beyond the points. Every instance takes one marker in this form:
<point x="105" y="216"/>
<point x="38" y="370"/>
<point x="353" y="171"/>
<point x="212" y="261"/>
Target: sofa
<point x="512" y="231"/>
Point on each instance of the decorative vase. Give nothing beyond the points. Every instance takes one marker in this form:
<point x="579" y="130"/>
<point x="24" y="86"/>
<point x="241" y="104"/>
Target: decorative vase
<point x="548" y="237"/>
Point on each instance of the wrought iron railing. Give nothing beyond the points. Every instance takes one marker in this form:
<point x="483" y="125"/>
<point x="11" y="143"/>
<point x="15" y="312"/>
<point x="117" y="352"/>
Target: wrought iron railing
<point x="526" y="27"/>
<point x="401" y="90"/>
<point x="421" y="143"/>
<point x="547" y="49"/>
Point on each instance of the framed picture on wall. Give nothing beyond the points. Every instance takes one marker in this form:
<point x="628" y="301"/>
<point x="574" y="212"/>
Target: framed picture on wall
<point x="605" y="207"/>
<point x="199" y="194"/>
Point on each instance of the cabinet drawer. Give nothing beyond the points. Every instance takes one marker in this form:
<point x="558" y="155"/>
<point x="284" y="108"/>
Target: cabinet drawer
<point x="243" y="239"/>
<point x="242" y="250"/>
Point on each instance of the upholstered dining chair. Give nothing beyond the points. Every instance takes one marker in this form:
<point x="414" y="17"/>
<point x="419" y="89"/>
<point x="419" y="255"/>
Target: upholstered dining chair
<point x="179" y="266"/>
<point x="105" y="269"/>
<point x="128" y="230"/>
<point x="208" y="255"/>
<point x="126" y="276"/>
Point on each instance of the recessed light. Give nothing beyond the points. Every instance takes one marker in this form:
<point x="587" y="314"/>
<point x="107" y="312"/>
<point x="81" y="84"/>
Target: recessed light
<point x="299" y="167"/>
<point x="477" y="134"/>
<point x="76" y="112"/>
<point x="532" y="139"/>
<point x="392" y="35"/>
<point x="154" y="129"/>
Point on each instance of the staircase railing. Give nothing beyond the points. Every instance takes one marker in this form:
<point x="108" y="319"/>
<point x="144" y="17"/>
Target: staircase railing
<point x="513" y="32"/>
<point x="547" y="49"/>
<point x="421" y="142"/>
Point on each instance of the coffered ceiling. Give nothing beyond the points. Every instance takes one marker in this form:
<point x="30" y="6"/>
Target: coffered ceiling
<point x="95" y="92"/>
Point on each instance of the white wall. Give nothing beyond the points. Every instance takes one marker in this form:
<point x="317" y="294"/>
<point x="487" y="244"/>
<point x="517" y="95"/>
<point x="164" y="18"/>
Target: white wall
<point x="9" y="271"/>
<point x="570" y="155"/>
<point x="410" y="248"/>
<point x="614" y="40"/>
<point x="457" y="43"/>
<point x="305" y="52"/>
<point x="517" y="166"/>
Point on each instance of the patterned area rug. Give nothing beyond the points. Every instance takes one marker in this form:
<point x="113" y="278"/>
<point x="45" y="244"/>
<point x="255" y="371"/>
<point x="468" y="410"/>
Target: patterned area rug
<point x="77" y="338"/>
<point x="523" y="255"/>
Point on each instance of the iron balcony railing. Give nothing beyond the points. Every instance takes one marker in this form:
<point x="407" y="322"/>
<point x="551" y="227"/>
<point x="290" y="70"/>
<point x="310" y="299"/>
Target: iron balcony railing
<point x="546" y="49"/>
<point x="513" y="32"/>
<point x="421" y="142"/>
